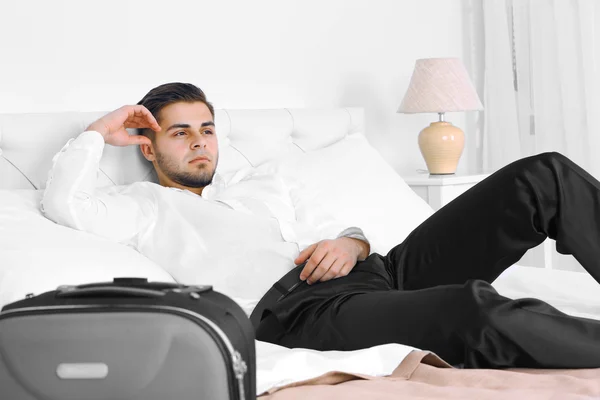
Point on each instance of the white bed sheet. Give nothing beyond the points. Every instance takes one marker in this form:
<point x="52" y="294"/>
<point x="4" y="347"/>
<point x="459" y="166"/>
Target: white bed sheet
<point x="574" y="293"/>
<point x="278" y="366"/>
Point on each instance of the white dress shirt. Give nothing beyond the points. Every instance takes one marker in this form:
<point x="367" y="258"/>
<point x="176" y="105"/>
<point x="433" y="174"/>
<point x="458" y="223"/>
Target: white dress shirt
<point x="239" y="236"/>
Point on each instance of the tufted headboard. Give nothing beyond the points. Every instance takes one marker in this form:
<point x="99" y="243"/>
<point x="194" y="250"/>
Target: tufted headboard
<point x="247" y="137"/>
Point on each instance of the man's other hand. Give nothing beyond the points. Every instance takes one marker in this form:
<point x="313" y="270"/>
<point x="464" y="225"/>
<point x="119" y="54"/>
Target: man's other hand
<point x="112" y="126"/>
<point x="329" y="259"/>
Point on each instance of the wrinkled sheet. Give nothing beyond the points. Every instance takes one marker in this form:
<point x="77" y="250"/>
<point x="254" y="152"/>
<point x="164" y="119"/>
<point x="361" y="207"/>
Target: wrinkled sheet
<point x="422" y="375"/>
<point x="279" y="366"/>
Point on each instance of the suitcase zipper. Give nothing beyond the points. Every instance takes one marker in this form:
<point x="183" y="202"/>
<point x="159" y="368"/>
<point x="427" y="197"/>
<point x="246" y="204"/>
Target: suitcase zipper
<point x="240" y="368"/>
<point x="236" y="362"/>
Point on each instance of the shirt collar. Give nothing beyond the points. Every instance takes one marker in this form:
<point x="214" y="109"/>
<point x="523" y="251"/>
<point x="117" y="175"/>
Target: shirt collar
<point x="217" y="184"/>
<point x="211" y="190"/>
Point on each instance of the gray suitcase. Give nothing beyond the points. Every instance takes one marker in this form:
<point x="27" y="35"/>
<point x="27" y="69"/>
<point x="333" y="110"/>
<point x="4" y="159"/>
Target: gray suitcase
<point x="127" y="339"/>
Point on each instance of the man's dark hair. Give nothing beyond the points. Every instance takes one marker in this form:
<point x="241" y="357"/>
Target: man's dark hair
<point x="161" y="96"/>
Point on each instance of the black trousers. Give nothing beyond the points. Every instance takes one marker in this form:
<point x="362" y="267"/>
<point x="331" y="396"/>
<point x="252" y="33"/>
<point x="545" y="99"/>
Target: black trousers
<point x="433" y="290"/>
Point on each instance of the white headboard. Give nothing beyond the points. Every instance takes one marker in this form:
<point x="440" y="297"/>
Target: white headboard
<point x="247" y="137"/>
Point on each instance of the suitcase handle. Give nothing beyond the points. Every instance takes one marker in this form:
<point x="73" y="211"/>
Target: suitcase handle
<point x="108" y="290"/>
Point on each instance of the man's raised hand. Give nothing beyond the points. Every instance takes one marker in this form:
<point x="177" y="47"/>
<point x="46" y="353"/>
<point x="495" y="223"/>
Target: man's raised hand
<point x="113" y="125"/>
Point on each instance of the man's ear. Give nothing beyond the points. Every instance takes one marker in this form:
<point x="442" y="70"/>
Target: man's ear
<point x="148" y="151"/>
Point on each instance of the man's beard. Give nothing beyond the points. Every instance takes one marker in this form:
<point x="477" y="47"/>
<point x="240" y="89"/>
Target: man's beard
<point x="199" y="179"/>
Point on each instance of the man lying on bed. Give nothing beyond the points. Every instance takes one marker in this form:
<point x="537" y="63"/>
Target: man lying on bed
<point x="431" y="291"/>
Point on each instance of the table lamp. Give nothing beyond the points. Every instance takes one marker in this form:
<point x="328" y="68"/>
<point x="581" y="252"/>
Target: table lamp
<point x="440" y="85"/>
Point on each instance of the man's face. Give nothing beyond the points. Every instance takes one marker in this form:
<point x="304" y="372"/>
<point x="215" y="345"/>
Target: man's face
<point x="185" y="150"/>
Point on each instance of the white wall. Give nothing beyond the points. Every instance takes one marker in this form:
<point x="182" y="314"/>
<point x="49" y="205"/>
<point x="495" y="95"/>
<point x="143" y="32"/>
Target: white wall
<point x="83" y="55"/>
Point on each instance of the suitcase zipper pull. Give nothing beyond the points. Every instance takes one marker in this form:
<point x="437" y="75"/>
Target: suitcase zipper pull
<point x="240" y="368"/>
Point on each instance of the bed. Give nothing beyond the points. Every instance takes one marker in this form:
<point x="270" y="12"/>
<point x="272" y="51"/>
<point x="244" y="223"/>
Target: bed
<point x="318" y="147"/>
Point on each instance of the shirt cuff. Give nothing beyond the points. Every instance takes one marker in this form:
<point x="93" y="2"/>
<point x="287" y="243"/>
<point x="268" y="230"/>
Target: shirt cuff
<point x="354" y="233"/>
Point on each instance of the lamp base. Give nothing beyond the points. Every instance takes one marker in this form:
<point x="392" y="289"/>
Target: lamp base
<point x="441" y="145"/>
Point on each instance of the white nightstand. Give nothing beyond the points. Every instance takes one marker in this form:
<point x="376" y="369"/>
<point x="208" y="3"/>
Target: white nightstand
<point x="439" y="190"/>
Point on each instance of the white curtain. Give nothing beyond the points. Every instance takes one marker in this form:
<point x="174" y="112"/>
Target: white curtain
<point x="541" y="87"/>
<point x="541" y="83"/>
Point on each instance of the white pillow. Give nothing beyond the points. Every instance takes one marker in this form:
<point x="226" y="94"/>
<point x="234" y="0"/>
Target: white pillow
<point x="352" y="182"/>
<point x="37" y="255"/>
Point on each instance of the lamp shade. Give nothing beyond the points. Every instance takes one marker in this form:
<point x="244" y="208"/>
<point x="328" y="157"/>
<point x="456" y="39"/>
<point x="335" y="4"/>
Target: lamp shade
<point x="440" y="85"/>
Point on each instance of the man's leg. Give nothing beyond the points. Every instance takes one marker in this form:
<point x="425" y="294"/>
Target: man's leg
<point x="491" y="226"/>
<point x="444" y="268"/>
<point x="468" y="324"/>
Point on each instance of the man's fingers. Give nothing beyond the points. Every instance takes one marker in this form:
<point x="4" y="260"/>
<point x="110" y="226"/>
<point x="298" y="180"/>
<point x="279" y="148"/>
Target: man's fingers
<point x="314" y="260"/>
<point x="142" y="115"/>
<point x="153" y="123"/>
<point x="334" y="271"/>
<point x="137" y="123"/>
<point x="139" y="139"/>
<point x="304" y="254"/>
<point x="330" y="259"/>
<point x="324" y="266"/>
<point x="345" y="269"/>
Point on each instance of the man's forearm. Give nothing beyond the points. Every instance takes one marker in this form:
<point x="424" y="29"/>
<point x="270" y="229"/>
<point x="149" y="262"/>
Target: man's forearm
<point x="73" y="172"/>
<point x="71" y="199"/>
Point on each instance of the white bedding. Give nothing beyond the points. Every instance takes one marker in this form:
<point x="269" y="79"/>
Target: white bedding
<point x="279" y="366"/>
<point x="37" y="255"/>
<point x="574" y="293"/>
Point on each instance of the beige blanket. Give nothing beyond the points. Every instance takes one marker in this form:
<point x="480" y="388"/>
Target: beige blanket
<point x="423" y="375"/>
